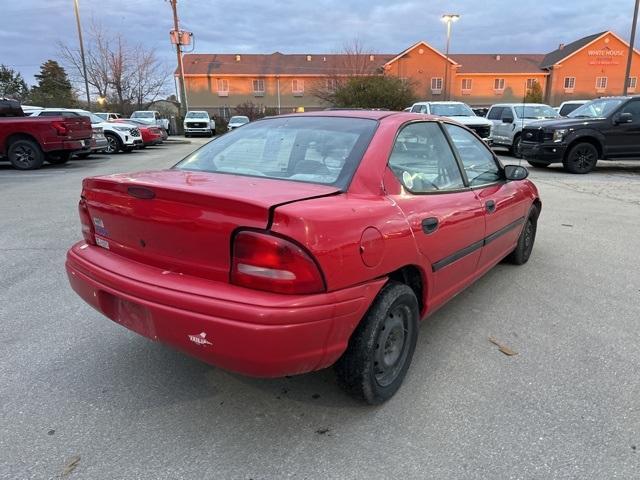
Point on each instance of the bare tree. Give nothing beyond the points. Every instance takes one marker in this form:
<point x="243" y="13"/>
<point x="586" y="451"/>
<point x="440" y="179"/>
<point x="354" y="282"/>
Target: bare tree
<point x="129" y="76"/>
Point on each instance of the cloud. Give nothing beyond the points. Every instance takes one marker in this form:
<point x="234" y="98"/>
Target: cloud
<point x="33" y="27"/>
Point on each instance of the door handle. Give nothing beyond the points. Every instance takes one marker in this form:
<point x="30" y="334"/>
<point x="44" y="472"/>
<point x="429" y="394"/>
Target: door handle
<point x="429" y="225"/>
<point x="490" y="205"/>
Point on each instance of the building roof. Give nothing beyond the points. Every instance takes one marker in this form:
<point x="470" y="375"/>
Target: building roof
<point x="563" y="52"/>
<point x="282" y="64"/>
<point x="498" y="62"/>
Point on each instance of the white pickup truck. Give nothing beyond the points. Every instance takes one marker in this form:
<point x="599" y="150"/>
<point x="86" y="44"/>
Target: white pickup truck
<point x="152" y="117"/>
<point x="458" y="111"/>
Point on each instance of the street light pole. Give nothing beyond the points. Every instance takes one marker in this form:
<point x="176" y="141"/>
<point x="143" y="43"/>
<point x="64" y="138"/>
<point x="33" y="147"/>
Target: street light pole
<point x="84" y="65"/>
<point x="632" y="41"/>
<point x="449" y="18"/>
<point x="176" y="26"/>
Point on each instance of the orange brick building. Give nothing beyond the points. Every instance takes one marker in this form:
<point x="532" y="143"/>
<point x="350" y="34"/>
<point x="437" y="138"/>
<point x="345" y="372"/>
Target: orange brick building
<point x="590" y="67"/>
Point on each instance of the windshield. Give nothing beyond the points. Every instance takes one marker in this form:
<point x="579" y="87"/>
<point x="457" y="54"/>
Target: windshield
<point x="324" y="150"/>
<point x="142" y="115"/>
<point x="451" y="110"/>
<point x="596" y="108"/>
<point x="92" y="116"/>
<point x="239" y="119"/>
<point x="535" y="111"/>
<point x="197" y="115"/>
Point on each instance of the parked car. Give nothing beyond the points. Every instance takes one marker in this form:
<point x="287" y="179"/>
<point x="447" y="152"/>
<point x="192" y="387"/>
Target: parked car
<point x="109" y="116"/>
<point x="480" y="111"/>
<point x="151" y="135"/>
<point x="29" y="109"/>
<point x="125" y="137"/>
<point x="237" y="121"/>
<point x="460" y="112"/>
<point x="569" y="106"/>
<point x="151" y="117"/>
<point x="198" y="122"/>
<point x="301" y="241"/>
<point x="607" y="128"/>
<point x="510" y="118"/>
<point x="27" y="142"/>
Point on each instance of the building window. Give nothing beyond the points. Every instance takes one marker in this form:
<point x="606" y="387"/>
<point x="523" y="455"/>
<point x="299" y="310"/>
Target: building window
<point x="258" y="87"/>
<point x="498" y="85"/>
<point x="530" y="83"/>
<point x="331" y="85"/>
<point x="569" y="84"/>
<point x="601" y="84"/>
<point x="633" y="81"/>
<point x="224" y="112"/>
<point x="297" y="87"/>
<point x="223" y="87"/>
<point x="436" y="85"/>
<point x="466" y="86"/>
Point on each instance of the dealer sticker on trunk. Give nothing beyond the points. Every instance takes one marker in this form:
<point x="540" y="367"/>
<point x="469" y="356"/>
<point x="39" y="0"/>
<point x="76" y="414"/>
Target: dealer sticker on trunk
<point x="102" y="243"/>
<point x="200" y="339"/>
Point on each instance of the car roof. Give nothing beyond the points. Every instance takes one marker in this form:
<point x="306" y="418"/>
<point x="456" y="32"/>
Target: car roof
<point x="519" y="104"/>
<point x="348" y="113"/>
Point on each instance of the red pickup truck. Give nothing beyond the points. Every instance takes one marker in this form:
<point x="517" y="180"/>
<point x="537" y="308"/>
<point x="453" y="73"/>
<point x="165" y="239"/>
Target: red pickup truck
<point x="27" y="142"/>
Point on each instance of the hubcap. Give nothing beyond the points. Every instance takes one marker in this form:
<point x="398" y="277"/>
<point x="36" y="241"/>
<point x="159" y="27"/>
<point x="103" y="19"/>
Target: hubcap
<point x="391" y="345"/>
<point x="24" y="155"/>
<point x="112" y="144"/>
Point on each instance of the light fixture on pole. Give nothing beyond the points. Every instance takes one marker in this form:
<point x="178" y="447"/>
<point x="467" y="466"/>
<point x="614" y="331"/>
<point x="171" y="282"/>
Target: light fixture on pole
<point x="84" y="65"/>
<point x="448" y="18"/>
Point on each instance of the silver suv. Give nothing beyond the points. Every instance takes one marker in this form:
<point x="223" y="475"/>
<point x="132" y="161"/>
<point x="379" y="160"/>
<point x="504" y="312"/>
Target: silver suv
<point x="509" y="118"/>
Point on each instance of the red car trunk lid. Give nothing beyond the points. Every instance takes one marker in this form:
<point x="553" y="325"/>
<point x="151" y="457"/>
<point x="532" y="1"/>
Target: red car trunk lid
<point x="183" y="221"/>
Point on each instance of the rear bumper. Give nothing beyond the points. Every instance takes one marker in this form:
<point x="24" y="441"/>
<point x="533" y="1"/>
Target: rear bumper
<point x="238" y="329"/>
<point x="74" y="145"/>
<point x="543" y="152"/>
<point x="99" y="144"/>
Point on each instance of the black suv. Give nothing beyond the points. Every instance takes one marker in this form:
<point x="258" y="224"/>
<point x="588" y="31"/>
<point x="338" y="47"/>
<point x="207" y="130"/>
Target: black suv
<point x="607" y="128"/>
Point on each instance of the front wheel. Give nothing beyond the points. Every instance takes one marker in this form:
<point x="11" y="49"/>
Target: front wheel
<point x="113" y="143"/>
<point x="380" y="350"/>
<point x="25" y="154"/>
<point x="522" y="252"/>
<point x="516" y="148"/>
<point x="581" y="158"/>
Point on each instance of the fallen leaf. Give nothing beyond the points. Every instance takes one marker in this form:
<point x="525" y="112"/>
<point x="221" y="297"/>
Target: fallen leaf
<point x="70" y="466"/>
<point x="322" y="431"/>
<point x="503" y="348"/>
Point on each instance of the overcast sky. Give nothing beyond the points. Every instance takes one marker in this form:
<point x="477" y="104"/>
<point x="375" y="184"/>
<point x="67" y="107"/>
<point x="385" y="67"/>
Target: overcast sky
<point x="31" y="28"/>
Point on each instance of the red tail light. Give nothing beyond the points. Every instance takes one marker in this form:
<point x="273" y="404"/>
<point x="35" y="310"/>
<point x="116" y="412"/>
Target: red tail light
<point x="88" y="232"/>
<point x="60" y="127"/>
<point x="266" y="262"/>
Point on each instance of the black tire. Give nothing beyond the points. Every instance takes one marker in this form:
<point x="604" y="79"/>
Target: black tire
<point x="114" y="144"/>
<point x="128" y="149"/>
<point x="522" y="252"/>
<point x="59" y="158"/>
<point x="537" y="164"/>
<point x="25" y="154"/>
<point x="581" y="158"/>
<point x="186" y="135"/>
<point x="213" y="133"/>
<point x="83" y="155"/>
<point x="380" y="350"/>
<point x="515" y="149"/>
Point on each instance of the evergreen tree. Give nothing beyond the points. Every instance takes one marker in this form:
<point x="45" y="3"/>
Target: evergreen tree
<point x="534" y="94"/>
<point x="54" y="88"/>
<point x="12" y="85"/>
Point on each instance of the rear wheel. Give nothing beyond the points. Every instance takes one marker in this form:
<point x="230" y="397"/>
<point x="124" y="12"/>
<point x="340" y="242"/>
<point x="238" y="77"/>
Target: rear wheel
<point x="581" y="158"/>
<point x="113" y="143"/>
<point x="59" y="158"/>
<point x="83" y="155"/>
<point x="25" y="154"/>
<point x="380" y="350"/>
<point x="536" y="164"/>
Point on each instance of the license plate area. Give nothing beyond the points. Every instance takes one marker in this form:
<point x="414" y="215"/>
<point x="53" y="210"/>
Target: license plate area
<point x="134" y="316"/>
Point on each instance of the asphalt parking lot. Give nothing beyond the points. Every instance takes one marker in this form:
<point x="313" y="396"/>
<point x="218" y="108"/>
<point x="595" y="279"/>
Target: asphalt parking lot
<point x="83" y="398"/>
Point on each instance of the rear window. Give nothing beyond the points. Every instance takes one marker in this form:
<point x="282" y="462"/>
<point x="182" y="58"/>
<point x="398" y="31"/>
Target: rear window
<point x="325" y="150"/>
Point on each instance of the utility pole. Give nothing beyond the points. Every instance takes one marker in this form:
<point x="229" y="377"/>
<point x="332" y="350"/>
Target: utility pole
<point x="176" y="26"/>
<point x="632" y="41"/>
<point x="448" y="18"/>
<point x="84" y="65"/>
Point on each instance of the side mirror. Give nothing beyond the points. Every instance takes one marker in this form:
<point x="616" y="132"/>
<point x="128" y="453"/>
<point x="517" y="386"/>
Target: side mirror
<point x="507" y="120"/>
<point x="515" y="172"/>
<point x="624" y="117"/>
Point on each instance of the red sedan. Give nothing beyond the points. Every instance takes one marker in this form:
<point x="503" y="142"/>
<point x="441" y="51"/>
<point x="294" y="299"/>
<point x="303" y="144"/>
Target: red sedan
<point x="302" y="241"/>
<point x="151" y="135"/>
